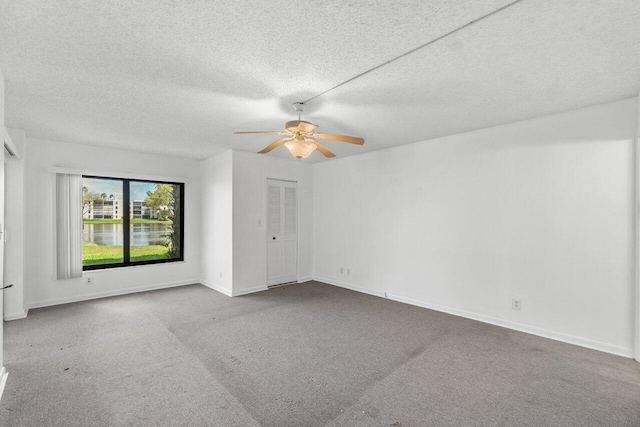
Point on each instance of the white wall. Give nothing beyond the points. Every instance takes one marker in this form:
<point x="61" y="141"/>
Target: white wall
<point x="41" y="286"/>
<point x="217" y="220"/>
<point x="250" y="173"/>
<point x="14" y="239"/>
<point x="540" y="210"/>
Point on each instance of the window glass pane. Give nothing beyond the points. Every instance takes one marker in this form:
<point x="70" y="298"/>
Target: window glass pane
<point x="155" y="221"/>
<point x="102" y="231"/>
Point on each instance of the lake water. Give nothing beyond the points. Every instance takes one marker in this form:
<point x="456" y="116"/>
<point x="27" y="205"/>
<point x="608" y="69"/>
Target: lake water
<point x="112" y="234"/>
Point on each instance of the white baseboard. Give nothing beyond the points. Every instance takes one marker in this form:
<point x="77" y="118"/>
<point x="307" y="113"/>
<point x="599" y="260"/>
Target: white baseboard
<point x="249" y="290"/>
<point x="533" y="330"/>
<point x="305" y="279"/>
<point x="15" y="316"/>
<point x="3" y="379"/>
<point x="350" y="286"/>
<point x="240" y="292"/>
<point x="216" y="287"/>
<point x="230" y="293"/>
<point x="97" y="295"/>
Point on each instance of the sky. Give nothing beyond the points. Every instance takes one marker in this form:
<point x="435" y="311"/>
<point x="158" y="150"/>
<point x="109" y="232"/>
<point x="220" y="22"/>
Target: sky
<point x="138" y="190"/>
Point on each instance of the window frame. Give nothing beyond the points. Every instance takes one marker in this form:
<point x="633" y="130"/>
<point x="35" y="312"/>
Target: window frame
<point x="126" y="225"/>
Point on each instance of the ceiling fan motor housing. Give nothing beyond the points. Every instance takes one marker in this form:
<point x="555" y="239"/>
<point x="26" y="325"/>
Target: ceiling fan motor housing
<point x="300" y="126"/>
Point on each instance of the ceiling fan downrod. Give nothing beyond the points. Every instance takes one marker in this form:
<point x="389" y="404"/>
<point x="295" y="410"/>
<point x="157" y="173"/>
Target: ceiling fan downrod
<point x="299" y="107"/>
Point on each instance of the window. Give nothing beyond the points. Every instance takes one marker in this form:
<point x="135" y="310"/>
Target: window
<point x="131" y="222"/>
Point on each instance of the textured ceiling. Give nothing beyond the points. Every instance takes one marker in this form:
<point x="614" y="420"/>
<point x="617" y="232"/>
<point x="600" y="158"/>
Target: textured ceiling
<point x="179" y="77"/>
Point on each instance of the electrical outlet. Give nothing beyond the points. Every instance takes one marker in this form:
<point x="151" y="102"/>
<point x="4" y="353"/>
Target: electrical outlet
<point x="348" y="272"/>
<point x="220" y="274"/>
<point x="89" y="280"/>
<point x="516" y="304"/>
<point x="341" y="270"/>
<point x="259" y="223"/>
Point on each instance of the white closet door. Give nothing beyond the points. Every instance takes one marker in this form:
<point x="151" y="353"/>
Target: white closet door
<point x="2" y="228"/>
<point x="282" y="232"/>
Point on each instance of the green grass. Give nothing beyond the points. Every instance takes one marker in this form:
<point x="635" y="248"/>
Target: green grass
<point x="144" y="253"/>
<point x="119" y="221"/>
<point x="93" y="254"/>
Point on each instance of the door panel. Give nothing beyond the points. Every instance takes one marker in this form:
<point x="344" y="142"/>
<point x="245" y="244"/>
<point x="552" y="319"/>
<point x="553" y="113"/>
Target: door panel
<point x="274" y="210"/>
<point x="290" y="211"/>
<point x="274" y="261"/>
<point x="290" y="264"/>
<point x="290" y="235"/>
<point x="274" y="244"/>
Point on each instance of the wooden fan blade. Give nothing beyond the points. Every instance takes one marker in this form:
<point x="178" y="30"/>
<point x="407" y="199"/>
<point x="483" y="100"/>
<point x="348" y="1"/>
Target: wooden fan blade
<point x="343" y="138"/>
<point x="274" y="145"/>
<point x="277" y="132"/>
<point x="324" y="150"/>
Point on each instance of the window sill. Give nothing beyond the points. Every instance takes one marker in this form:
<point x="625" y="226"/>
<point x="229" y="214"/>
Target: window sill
<point x="129" y="267"/>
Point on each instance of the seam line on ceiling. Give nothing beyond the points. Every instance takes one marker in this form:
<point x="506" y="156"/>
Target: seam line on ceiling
<point x="468" y="24"/>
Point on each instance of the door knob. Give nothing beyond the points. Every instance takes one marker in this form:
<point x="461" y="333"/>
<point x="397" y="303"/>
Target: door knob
<point x="274" y="238"/>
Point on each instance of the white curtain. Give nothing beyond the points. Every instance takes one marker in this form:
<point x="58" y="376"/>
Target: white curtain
<point x="69" y="225"/>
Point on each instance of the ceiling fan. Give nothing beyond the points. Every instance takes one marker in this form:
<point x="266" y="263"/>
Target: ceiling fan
<point x="300" y="137"/>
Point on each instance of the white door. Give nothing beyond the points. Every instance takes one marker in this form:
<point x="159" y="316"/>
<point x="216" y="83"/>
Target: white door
<point x="282" y="232"/>
<point x="3" y="375"/>
<point x="2" y="227"/>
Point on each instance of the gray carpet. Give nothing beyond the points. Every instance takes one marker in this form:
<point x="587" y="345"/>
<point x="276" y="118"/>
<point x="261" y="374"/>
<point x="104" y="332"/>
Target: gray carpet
<point x="303" y="355"/>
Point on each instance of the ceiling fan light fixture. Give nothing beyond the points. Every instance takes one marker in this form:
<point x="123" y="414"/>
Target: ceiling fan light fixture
<point x="300" y="148"/>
